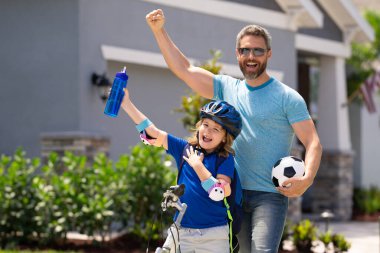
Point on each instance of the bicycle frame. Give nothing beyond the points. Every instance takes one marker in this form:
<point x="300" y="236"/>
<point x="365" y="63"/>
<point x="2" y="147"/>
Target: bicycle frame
<point x="171" y="199"/>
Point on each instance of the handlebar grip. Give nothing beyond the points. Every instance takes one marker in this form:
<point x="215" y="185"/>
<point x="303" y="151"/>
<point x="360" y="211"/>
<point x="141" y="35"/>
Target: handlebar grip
<point x="178" y="190"/>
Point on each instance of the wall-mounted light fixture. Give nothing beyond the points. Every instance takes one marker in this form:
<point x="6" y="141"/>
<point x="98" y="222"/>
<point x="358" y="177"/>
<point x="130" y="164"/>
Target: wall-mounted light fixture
<point x="102" y="83"/>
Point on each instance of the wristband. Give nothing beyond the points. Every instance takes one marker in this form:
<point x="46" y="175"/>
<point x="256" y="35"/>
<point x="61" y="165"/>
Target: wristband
<point x="209" y="183"/>
<point x="143" y="124"/>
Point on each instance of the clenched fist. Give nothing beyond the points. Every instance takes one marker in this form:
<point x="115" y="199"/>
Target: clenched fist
<point x="155" y="19"/>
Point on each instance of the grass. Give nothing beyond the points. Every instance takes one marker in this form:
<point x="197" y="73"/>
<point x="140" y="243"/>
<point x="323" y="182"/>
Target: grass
<point x="39" y="251"/>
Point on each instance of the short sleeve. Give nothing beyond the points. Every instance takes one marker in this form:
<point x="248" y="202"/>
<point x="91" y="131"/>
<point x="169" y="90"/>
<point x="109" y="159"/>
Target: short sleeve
<point x="218" y="87"/>
<point x="175" y="148"/>
<point x="227" y="167"/>
<point x="295" y="108"/>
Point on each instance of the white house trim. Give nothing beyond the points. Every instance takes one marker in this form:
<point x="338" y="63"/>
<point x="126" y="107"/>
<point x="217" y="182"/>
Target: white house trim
<point x="349" y="20"/>
<point x="304" y="13"/>
<point x="322" y="46"/>
<point x="235" y="11"/>
<point x="121" y="54"/>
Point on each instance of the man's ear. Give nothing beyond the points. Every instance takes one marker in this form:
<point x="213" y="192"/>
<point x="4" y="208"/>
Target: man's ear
<point x="270" y="53"/>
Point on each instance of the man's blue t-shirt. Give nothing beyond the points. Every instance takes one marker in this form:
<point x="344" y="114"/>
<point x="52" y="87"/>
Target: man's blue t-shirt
<point x="267" y="112"/>
<point x="201" y="212"/>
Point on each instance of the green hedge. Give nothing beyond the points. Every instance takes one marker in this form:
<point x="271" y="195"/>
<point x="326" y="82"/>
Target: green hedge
<point x="42" y="203"/>
<point x="367" y="200"/>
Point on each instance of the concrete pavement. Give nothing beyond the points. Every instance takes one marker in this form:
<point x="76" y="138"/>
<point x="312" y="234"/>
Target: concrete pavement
<point x="363" y="236"/>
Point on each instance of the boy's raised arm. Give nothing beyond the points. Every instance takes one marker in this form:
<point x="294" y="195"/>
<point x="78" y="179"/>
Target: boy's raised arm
<point x="142" y="122"/>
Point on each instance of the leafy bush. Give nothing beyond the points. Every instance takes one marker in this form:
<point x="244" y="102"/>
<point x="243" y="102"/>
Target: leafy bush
<point x="340" y="243"/>
<point x="41" y="204"/>
<point x="304" y="233"/>
<point x="18" y="198"/>
<point x="147" y="178"/>
<point x="326" y="239"/>
<point x="367" y="201"/>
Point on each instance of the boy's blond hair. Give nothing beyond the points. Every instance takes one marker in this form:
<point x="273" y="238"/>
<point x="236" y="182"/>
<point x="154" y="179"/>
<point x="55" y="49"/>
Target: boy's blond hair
<point x="225" y="148"/>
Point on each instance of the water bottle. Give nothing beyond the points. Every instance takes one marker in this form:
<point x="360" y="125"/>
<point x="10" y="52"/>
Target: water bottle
<point x="117" y="93"/>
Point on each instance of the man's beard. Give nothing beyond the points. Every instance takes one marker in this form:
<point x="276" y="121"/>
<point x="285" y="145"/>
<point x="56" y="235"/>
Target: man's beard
<point x="252" y="75"/>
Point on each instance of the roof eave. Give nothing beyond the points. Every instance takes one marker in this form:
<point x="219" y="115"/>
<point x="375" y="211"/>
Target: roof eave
<point x="349" y="20"/>
<point x="303" y="13"/>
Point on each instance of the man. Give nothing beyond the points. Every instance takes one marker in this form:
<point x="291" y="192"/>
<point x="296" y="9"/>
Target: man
<point x="272" y="113"/>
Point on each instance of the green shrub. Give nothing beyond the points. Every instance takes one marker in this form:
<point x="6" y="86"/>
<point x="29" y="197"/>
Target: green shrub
<point x="326" y="239"/>
<point x="340" y="243"/>
<point x="148" y="178"/>
<point x="18" y="198"/>
<point x="304" y="233"/>
<point x="41" y="204"/>
<point x="84" y="196"/>
<point x="367" y="201"/>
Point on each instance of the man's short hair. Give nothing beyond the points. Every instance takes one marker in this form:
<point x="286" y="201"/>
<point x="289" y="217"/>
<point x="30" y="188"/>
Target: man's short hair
<point x="254" y="30"/>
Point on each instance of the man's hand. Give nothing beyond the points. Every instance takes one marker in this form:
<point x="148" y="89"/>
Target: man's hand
<point x="298" y="185"/>
<point x="155" y="19"/>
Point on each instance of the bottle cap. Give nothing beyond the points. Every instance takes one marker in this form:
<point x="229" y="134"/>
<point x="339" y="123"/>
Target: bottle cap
<point x="123" y="74"/>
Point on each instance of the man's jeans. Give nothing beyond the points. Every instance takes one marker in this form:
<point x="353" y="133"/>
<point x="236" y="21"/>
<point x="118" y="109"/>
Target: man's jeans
<point x="264" y="220"/>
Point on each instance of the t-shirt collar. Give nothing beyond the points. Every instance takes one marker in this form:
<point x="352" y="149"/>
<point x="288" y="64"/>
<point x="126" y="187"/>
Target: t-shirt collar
<point x="260" y="86"/>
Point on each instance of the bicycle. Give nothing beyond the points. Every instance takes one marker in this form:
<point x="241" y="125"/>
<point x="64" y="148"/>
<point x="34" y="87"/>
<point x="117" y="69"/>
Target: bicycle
<point x="171" y="200"/>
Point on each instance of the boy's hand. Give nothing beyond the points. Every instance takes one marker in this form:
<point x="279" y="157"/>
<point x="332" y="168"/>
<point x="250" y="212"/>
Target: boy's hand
<point x="155" y="19"/>
<point x="126" y="99"/>
<point x="194" y="158"/>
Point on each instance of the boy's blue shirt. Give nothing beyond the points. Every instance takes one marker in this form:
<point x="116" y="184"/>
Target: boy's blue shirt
<point x="202" y="212"/>
<point x="268" y="112"/>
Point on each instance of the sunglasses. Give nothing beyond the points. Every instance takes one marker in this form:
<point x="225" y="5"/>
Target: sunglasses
<point x="257" y="51"/>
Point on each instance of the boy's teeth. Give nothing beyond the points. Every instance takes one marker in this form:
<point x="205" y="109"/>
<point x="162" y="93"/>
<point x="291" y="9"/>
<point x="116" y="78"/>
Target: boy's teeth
<point x="206" y="139"/>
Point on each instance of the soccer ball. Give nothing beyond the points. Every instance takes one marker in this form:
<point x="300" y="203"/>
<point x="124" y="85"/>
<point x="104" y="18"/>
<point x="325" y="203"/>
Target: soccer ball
<point x="285" y="168"/>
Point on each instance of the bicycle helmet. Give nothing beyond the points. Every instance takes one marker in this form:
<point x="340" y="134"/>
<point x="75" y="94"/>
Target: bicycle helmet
<point x="224" y="114"/>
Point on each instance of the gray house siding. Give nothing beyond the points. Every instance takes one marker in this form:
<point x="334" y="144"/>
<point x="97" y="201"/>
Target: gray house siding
<point x="51" y="48"/>
<point x="329" y="30"/>
<point x="39" y="71"/>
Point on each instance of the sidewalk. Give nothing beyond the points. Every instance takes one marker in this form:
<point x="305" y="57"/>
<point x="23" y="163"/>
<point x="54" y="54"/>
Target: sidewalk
<point x="363" y="236"/>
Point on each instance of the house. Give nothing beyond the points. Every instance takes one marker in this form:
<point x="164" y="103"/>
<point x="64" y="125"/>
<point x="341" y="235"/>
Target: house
<point x="50" y="49"/>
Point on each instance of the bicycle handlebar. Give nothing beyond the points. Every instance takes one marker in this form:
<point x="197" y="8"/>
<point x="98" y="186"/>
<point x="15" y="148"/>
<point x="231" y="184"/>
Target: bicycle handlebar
<point x="171" y="197"/>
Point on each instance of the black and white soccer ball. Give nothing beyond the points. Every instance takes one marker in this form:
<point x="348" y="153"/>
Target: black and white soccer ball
<point x="285" y="168"/>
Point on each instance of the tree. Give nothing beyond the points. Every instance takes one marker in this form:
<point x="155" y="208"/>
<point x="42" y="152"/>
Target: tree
<point x="192" y="103"/>
<point x="361" y="64"/>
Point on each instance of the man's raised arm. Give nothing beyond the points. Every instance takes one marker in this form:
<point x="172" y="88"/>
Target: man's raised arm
<point x="198" y="79"/>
